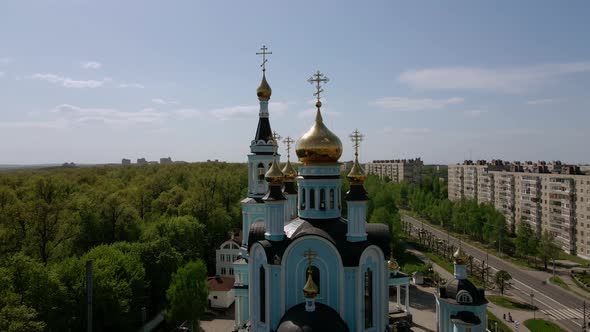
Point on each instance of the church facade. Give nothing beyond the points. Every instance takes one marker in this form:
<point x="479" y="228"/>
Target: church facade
<point x="303" y="266"/>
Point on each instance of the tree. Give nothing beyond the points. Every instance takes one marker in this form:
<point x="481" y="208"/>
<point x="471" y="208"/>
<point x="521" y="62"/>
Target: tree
<point x="526" y="240"/>
<point x="502" y="280"/>
<point x="187" y="295"/>
<point x="547" y="248"/>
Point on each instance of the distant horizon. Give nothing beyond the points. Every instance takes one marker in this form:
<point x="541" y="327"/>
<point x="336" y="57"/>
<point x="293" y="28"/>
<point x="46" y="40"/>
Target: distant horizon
<point x="444" y="81"/>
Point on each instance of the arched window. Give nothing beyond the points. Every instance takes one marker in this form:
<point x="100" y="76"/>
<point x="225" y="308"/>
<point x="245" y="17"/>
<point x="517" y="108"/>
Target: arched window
<point x="331" y="198"/>
<point x="463" y="296"/>
<point x="315" y="276"/>
<point x="260" y="171"/>
<point x="312" y="199"/>
<point x="322" y="199"/>
<point x="303" y="199"/>
<point x="262" y="293"/>
<point x="368" y="298"/>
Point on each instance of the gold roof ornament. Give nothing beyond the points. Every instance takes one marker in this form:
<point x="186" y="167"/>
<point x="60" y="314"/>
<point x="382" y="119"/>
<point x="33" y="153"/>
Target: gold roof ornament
<point x="318" y="144"/>
<point x="310" y="290"/>
<point x="460" y="257"/>
<point x="274" y="174"/>
<point x="357" y="174"/>
<point x="393" y="265"/>
<point x="264" y="91"/>
<point x="288" y="171"/>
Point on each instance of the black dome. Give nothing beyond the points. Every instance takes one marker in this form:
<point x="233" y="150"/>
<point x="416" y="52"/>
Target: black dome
<point x="454" y="286"/>
<point x="324" y="318"/>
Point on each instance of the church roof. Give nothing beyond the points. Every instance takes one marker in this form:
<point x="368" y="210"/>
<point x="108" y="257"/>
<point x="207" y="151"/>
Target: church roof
<point x="221" y="283"/>
<point x="465" y="318"/>
<point x="453" y="287"/>
<point x="333" y="230"/>
<point x="323" y="318"/>
<point x="263" y="132"/>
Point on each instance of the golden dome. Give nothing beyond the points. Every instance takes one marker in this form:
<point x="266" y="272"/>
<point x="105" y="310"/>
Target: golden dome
<point x="274" y="174"/>
<point x="264" y="91"/>
<point x="357" y="174"/>
<point x="289" y="172"/>
<point x="318" y="144"/>
<point x="460" y="257"/>
<point x="310" y="290"/>
<point x="393" y="265"/>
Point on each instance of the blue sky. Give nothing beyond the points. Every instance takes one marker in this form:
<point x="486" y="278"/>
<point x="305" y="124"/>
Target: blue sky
<point x="97" y="81"/>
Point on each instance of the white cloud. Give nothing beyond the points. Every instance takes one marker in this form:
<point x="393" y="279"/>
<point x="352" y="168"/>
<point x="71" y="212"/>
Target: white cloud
<point x="415" y="131"/>
<point x="67" y="82"/>
<point x="109" y="115"/>
<point x="91" y="65"/>
<point x="52" y="124"/>
<point x="414" y="104"/>
<point x="237" y="112"/>
<point x="131" y="85"/>
<point x="160" y="101"/>
<point x="474" y="113"/>
<point x="505" y="79"/>
<point x="310" y="113"/>
<point x="187" y="113"/>
<point x="541" y="101"/>
<point x="6" y="60"/>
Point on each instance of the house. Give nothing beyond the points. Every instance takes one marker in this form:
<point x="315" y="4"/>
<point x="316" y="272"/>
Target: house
<point x="221" y="292"/>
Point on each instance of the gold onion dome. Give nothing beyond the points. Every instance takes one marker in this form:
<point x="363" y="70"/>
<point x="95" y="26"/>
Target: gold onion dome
<point x="393" y="265"/>
<point x="274" y="174"/>
<point x="310" y="290"/>
<point x="264" y="91"/>
<point x="460" y="257"/>
<point x="357" y="174"/>
<point x="289" y="172"/>
<point x="319" y="144"/>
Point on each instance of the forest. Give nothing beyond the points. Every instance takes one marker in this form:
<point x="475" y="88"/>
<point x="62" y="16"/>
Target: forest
<point x="138" y="225"/>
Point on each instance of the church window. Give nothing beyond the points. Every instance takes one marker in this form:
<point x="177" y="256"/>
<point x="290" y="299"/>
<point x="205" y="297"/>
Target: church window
<point x="260" y="171"/>
<point x="331" y="198"/>
<point x="262" y="294"/>
<point x="322" y="199"/>
<point x="223" y="271"/>
<point x="303" y="199"/>
<point x="464" y="297"/>
<point x="231" y="271"/>
<point x="312" y="199"/>
<point x="368" y="298"/>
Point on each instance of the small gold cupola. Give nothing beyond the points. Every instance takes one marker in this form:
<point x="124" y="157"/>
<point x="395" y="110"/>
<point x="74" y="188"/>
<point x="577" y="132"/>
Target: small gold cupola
<point x="288" y="171"/>
<point x="459" y="257"/>
<point x="318" y="144"/>
<point x="310" y="290"/>
<point x="264" y="91"/>
<point x="274" y="176"/>
<point x="357" y="174"/>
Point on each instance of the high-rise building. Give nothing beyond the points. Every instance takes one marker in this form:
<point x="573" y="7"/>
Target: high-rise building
<point x="548" y="196"/>
<point x="397" y="170"/>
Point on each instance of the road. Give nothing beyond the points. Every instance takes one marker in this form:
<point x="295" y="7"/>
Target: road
<point x="564" y="306"/>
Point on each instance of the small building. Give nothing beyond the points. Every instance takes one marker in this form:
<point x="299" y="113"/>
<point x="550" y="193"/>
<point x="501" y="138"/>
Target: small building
<point x="141" y="162"/>
<point x="166" y="160"/>
<point x="125" y="161"/>
<point x="225" y="256"/>
<point x="221" y="292"/>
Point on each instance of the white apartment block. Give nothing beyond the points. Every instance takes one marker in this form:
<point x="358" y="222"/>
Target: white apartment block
<point x="548" y="196"/>
<point x="398" y="170"/>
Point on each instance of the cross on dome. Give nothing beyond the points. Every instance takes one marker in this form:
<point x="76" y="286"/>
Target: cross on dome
<point x="318" y="78"/>
<point x="263" y="53"/>
<point x="356" y="137"/>
<point x="310" y="255"/>
<point x="288" y="141"/>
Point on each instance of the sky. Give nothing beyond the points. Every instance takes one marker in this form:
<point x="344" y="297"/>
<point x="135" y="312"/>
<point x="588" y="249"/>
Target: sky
<point x="96" y="81"/>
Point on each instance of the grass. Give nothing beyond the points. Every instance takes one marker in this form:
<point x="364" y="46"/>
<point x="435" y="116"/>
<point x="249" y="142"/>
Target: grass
<point x="502" y="327"/>
<point x="409" y="263"/>
<point x="541" y="325"/>
<point x="559" y="282"/>
<point x="509" y="303"/>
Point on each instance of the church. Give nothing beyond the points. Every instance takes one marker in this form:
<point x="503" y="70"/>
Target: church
<point x="302" y="266"/>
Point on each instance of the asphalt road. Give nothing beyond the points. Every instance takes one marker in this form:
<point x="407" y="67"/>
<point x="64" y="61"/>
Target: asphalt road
<point x="552" y="300"/>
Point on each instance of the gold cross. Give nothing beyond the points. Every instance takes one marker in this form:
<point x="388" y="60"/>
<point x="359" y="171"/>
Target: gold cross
<point x="275" y="138"/>
<point x="288" y="141"/>
<point x="356" y="137"/>
<point x="263" y="53"/>
<point x="310" y="255"/>
<point x="318" y="78"/>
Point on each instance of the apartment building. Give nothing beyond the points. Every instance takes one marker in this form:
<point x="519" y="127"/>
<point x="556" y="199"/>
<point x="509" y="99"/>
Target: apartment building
<point x="397" y="170"/>
<point x="547" y="196"/>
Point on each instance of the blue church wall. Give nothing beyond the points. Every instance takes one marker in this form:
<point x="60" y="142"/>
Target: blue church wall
<point x="446" y="310"/>
<point x="275" y="295"/>
<point x="372" y="259"/>
<point x="319" y="198"/>
<point x="251" y="213"/>
<point x="331" y="270"/>
<point x="351" y="300"/>
<point x="258" y="260"/>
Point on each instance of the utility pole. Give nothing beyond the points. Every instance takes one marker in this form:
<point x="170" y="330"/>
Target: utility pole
<point x="584" y="326"/>
<point x="533" y="305"/>
<point x="89" y="296"/>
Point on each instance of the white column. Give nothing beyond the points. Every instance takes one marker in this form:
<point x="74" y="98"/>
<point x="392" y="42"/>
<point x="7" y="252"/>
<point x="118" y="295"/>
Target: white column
<point x="408" y="298"/>
<point x="317" y="198"/>
<point x="399" y="305"/>
<point x="307" y="205"/>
